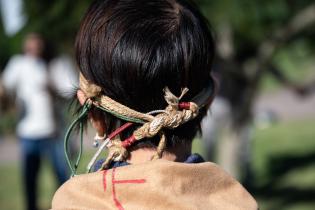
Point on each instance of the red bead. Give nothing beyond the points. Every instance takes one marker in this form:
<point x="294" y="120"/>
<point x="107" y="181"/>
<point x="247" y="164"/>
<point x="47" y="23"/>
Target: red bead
<point x="184" y="105"/>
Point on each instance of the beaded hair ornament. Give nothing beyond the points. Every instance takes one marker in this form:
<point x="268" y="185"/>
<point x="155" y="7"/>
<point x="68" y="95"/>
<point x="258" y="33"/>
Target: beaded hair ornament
<point x="175" y="114"/>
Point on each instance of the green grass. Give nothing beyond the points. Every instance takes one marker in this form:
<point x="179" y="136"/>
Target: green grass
<point x="281" y="140"/>
<point x="284" y="166"/>
<point x="290" y="146"/>
<point x="11" y="190"/>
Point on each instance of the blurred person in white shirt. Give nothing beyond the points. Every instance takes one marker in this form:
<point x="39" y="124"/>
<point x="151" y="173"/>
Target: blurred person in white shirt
<point x="29" y="78"/>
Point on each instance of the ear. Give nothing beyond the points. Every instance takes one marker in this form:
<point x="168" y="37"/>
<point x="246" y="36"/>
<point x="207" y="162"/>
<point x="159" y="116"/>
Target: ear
<point x="81" y="96"/>
<point x="97" y="120"/>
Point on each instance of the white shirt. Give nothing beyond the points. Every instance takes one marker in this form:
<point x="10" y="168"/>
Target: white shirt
<point x="28" y="77"/>
<point x="63" y="76"/>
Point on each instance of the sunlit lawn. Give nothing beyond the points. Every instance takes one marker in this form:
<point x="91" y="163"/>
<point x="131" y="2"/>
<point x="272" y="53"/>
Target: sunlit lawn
<point x="11" y="188"/>
<point x="284" y="166"/>
<point x="284" y="163"/>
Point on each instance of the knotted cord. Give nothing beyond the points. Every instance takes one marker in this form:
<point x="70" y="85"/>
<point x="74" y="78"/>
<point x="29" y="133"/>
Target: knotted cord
<point x="174" y="115"/>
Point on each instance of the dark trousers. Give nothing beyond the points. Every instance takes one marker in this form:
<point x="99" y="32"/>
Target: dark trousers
<point x="33" y="151"/>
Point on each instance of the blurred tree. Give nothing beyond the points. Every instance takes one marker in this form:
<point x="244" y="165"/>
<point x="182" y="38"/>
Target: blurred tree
<point x="246" y="31"/>
<point x="56" y="20"/>
<point x="249" y="34"/>
<point x="250" y="22"/>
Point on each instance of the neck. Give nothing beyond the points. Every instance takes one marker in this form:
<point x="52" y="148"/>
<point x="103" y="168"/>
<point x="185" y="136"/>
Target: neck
<point x="178" y="154"/>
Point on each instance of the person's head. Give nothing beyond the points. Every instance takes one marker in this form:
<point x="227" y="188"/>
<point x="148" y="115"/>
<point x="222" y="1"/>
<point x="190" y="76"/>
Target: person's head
<point x="133" y="49"/>
<point x="33" y="45"/>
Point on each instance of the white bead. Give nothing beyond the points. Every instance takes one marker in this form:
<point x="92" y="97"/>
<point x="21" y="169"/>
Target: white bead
<point x="95" y="143"/>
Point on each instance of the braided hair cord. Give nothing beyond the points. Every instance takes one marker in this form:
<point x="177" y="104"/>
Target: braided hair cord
<point x="174" y="115"/>
<point x="170" y="119"/>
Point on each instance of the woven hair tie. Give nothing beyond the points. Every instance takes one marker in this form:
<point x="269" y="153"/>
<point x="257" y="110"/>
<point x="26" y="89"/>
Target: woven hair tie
<point x="153" y="123"/>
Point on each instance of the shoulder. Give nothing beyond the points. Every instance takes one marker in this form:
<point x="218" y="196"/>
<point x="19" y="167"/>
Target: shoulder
<point x="78" y="192"/>
<point x="17" y="62"/>
<point x="227" y="189"/>
<point x="14" y="61"/>
<point x="17" y="59"/>
<point x="205" y="184"/>
<point x="213" y="185"/>
<point x="222" y="191"/>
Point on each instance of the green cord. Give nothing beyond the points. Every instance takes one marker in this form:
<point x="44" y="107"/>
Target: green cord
<point x="129" y="119"/>
<point x="83" y="113"/>
<point x="81" y="147"/>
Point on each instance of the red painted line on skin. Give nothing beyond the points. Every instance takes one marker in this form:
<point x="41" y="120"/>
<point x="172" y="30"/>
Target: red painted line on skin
<point x="132" y="181"/>
<point x="114" y="182"/>
<point x="117" y="203"/>
<point x="104" y="180"/>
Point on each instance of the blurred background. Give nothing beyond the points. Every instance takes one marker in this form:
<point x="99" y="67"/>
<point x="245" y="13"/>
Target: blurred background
<point x="264" y="129"/>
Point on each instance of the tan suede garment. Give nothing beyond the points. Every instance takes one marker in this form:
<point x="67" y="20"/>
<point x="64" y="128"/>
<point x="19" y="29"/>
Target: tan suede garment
<point x="156" y="185"/>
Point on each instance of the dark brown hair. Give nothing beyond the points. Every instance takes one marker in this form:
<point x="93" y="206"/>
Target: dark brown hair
<point x="133" y="49"/>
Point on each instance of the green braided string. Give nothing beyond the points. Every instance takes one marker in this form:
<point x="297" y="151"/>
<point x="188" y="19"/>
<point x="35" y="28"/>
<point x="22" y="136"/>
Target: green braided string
<point x="123" y="117"/>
